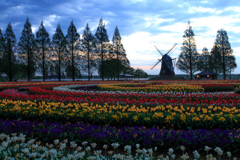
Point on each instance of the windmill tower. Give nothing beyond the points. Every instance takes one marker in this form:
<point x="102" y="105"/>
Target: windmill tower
<point x="167" y="68"/>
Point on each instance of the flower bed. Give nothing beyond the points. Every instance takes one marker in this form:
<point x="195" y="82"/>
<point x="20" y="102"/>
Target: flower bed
<point x="163" y="119"/>
<point x="136" y="98"/>
<point x="20" y="146"/>
<point x="181" y="117"/>
<point x="147" y="137"/>
<point x="151" y="88"/>
<point x="217" y="87"/>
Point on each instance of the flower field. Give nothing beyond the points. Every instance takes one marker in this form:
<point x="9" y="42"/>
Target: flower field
<point x="120" y="120"/>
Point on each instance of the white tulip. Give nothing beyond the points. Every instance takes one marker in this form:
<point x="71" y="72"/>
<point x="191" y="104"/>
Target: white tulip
<point x="79" y="149"/>
<point x="34" y="154"/>
<point x="4" y="144"/>
<point x="196" y="155"/>
<point x="73" y="144"/>
<point x="105" y="146"/>
<point x="115" y="145"/>
<point x="229" y="154"/>
<point x="139" y="151"/>
<point x="137" y="145"/>
<point x="219" y="151"/>
<point x="56" y="141"/>
<point x="207" y="148"/>
<point x="84" y="143"/>
<point x="173" y="156"/>
<point x="63" y="146"/>
<point x="182" y="148"/>
<point x="155" y="149"/>
<point x="127" y="147"/>
<point x="88" y="148"/>
<point x="170" y="151"/>
<point x="184" y="157"/>
<point x="150" y="151"/>
<point x="94" y="145"/>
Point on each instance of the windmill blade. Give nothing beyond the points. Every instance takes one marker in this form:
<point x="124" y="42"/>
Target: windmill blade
<point x="158" y="50"/>
<point x="157" y="63"/>
<point x="171" y="48"/>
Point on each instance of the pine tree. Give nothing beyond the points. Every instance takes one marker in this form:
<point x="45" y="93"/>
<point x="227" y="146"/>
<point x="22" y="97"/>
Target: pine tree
<point x="2" y="49"/>
<point x="101" y="39"/>
<point x="59" y="50"/>
<point x="117" y="45"/>
<point x="88" y="46"/>
<point x="188" y="58"/>
<point x="204" y="60"/>
<point x="120" y="52"/>
<point x="26" y="47"/>
<point x="72" y="38"/>
<point x="9" y="57"/>
<point x="2" y="45"/>
<point x="230" y="64"/>
<point x="139" y="73"/>
<point x="43" y="45"/>
<point x="215" y="60"/>
<point x="225" y="50"/>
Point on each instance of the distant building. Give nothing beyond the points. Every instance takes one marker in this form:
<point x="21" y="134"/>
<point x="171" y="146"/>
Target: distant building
<point x="206" y="75"/>
<point x="126" y="77"/>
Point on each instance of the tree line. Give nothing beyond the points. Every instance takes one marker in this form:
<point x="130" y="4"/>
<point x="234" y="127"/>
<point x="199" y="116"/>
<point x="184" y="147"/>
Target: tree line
<point x="65" y="55"/>
<point x="219" y="60"/>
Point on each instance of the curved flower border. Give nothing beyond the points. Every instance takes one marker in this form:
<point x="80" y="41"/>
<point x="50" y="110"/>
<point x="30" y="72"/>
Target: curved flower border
<point x="69" y="88"/>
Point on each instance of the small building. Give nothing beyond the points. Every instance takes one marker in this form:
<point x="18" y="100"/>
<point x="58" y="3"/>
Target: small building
<point x="126" y="77"/>
<point x="206" y="75"/>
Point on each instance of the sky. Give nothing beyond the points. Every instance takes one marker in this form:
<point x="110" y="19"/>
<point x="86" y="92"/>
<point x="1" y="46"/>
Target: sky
<point x="142" y="23"/>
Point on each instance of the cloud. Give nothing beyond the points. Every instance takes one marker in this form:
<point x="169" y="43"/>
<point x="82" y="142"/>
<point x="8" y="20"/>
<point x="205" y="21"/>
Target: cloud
<point x="154" y="21"/>
<point x="192" y="10"/>
<point x="49" y="20"/>
<point x="178" y="27"/>
<point x="236" y="52"/>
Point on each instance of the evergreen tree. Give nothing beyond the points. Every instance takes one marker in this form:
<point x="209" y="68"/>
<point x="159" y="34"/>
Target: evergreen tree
<point x="43" y="46"/>
<point x="230" y="64"/>
<point x="2" y="45"/>
<point x="72" y="38"/>
<point x="204" y="60"/>
<point x="188" y="58"/>
<point x="88" y="46"/>
<point x="139" y="73"/>
<point x="225" y="50"/>
<point x="110" y="66"/>
<point x="119" y="51"/>
<point x="9" y="57"/>
<point x="69" y="72"/>
<point x="215" y="60"/>
<point x="26" y="47"/>
<point x="101" y="39"/>
<point x="59" y="50"/>
<point x="2" y="50"/>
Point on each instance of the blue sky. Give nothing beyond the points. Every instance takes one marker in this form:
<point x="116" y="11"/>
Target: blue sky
<point x="142" y="23"/>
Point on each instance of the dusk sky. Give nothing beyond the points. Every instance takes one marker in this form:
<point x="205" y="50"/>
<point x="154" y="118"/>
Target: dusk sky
<point x="142" y="23"/>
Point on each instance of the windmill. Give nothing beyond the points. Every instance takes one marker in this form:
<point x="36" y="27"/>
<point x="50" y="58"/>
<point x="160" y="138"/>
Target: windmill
<point x="167" y="65"/>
